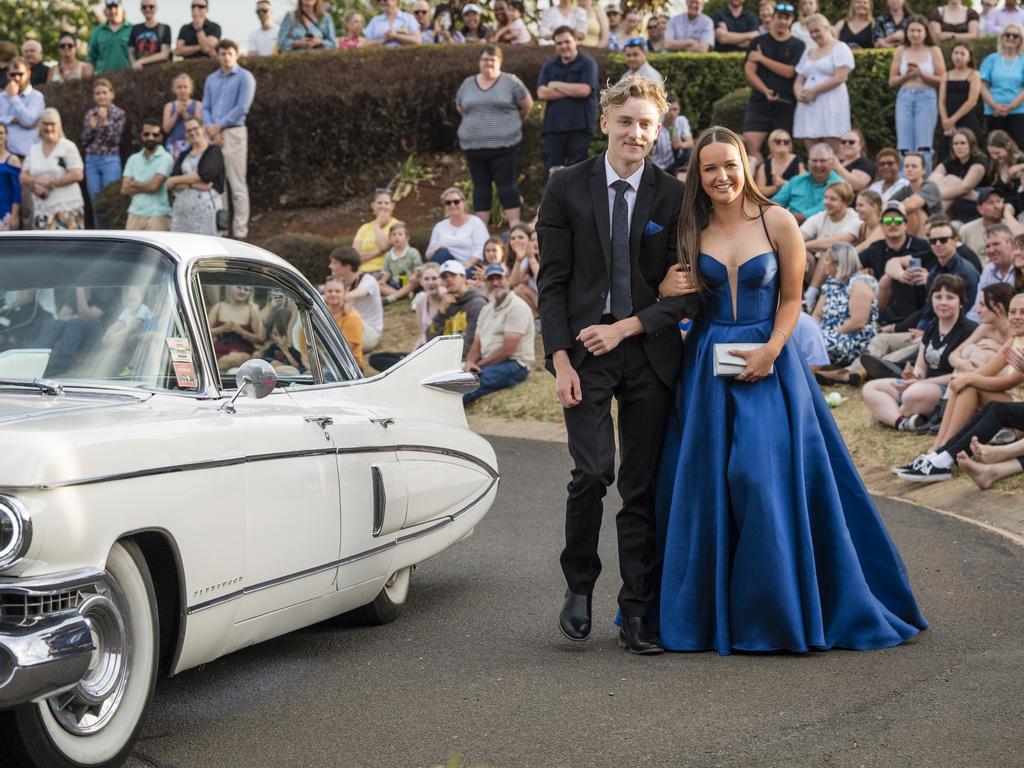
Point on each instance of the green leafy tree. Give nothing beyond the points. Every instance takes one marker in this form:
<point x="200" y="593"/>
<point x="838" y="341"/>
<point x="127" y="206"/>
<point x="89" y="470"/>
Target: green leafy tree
<point x="44" y="20"/>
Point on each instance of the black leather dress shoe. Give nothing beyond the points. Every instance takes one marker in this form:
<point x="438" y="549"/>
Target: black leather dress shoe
<point x="574" y="620"/>
<point x="636" y="637"/>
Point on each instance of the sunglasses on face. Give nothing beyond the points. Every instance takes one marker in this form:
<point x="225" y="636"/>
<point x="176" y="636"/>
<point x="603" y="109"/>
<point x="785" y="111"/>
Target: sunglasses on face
<point x="939" y="240"/>
<point x="66" y="45"/>
<point x="15" y="74"/>
<point x="198" y="5"/>
<point x="785" y="142"/>
<point x="151" y="134"/>
<point x="893" y="220"/>
<point x="848" y="142"/>
<point x="453" y="201"/>
<point x="1011" y="36"/>
<point x="262" y="11"/>
<point x="148" y="7"/>
<point x="420" y="13"/>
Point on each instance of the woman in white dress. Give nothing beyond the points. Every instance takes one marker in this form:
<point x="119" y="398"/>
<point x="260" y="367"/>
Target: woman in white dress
<point x="823" y="102"/>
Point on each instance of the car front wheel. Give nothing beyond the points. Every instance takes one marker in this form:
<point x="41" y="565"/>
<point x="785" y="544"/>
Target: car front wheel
<point x="389" y="602"/>
<point x="96" y="723"/>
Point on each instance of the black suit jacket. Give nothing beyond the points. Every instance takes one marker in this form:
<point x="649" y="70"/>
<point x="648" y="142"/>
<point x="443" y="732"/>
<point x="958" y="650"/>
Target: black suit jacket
<point x="575" y="262"/>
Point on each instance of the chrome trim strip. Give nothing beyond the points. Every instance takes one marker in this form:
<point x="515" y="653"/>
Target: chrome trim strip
<point x="53" y="583"/>
<point x="234" y="460"/>
<point x="458" y="382"/>
<point x="290" y="577"/>
<point x="442" y="523"/>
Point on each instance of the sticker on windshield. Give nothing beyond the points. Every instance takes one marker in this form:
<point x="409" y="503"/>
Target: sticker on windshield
<point x="186" y="375"/>
<point x="181" y="350"/>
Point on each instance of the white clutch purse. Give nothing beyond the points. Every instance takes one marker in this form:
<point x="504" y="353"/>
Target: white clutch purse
<point x="733" y="365"/>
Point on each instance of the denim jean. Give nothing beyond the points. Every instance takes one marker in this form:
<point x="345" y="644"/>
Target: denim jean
<point x="917" y="111"/>
<point x="495" y="377"/>
<point x="100" y="170"/>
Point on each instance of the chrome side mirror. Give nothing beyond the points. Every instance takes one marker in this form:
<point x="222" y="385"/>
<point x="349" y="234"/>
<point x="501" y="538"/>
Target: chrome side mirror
<point x="255" y="378"/>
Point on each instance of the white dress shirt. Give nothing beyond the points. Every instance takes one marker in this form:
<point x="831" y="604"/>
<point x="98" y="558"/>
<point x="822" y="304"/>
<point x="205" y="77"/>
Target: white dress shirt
<point x="611" y="176"/>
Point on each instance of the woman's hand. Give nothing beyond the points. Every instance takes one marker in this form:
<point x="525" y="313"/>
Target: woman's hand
<point x="960" y="381"/>
<point x="759" y="362"/>
<point x="677" y="282"/>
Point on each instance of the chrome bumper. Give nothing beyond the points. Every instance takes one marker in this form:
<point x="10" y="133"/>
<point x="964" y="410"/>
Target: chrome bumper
<point x="45" y="645"/>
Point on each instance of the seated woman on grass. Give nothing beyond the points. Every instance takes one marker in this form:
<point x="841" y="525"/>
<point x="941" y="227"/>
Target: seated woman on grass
<point x="999" y="382"/>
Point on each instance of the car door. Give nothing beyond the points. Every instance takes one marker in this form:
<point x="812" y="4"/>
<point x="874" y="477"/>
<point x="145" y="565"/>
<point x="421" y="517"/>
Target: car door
<point x="290" y="488"/>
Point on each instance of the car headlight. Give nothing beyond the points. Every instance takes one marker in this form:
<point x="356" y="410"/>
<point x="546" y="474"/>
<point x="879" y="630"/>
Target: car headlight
<point x="15" y="531"/>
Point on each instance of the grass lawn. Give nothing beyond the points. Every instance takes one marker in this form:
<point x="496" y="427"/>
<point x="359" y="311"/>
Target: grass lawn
<point x="534" y="400"/>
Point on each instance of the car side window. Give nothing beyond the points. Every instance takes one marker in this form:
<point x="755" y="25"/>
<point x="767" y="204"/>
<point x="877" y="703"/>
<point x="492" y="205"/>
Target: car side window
<point x="252" y="316"/>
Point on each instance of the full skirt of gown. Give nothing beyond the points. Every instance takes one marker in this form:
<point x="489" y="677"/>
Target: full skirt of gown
<point x="767" y="538"/>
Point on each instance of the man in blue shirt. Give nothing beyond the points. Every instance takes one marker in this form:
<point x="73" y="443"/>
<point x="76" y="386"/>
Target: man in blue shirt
<point x="227" y="96"/>
<point x="804" y="194"/>
<point x="568" y="83"/>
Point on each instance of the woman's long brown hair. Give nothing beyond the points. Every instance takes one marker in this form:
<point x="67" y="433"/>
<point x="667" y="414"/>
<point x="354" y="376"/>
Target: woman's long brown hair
<point x="696" y="210"/>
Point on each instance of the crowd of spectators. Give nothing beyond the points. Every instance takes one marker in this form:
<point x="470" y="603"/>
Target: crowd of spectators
<point x="912" y="249"/>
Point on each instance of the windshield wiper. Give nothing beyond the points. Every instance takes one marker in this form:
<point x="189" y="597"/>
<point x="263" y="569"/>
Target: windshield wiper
<point x="47" y="386"/>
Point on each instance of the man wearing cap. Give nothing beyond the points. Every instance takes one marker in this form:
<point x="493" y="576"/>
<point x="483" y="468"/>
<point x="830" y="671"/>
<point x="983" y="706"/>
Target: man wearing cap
<point x="992" y="210"/>
<point x="614" y="13"/>
<point x="691" y="31"/>
<point x="770" y="68"/>
<point x="503" y="348"/>
<point x="460" y="306"/>
<point x="636" y="61"/>
<point x="109" y="43"/>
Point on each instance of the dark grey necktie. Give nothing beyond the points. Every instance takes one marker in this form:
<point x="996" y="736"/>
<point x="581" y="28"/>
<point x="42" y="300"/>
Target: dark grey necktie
<point x="622" y="293"/>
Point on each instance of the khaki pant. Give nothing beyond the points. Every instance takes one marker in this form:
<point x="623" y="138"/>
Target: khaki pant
<point x="236" y="158"/>
<point x="891" y="347"/>
<point x="148" y="223"/>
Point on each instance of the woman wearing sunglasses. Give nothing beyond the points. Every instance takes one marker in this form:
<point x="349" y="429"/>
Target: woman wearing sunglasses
<point x="460" y="235"/>
<point x="1002" y="84"/>
<point x="68" y="68"/>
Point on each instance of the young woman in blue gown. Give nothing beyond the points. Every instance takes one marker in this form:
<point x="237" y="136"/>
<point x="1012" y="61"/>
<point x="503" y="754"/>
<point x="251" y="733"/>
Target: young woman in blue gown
<point x="769" y="540"/>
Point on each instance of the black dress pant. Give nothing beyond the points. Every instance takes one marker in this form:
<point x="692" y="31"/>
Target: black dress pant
<point x="644" y="402"/>
<point x="993" y="418"/>
<point x="565" y="148"/>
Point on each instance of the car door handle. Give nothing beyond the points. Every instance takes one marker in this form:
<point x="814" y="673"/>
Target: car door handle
<point x="384" y="421"/>
<point x="323" y="421"/>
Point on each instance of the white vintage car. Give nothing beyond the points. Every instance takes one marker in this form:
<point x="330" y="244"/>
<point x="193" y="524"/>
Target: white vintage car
<point x="152" y="520"/>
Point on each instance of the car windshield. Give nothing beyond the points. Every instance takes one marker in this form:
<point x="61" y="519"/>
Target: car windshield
<point x="92" y="312"/>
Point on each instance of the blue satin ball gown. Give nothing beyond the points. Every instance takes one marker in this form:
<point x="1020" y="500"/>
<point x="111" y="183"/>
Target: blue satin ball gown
<point x="767" y="537"/>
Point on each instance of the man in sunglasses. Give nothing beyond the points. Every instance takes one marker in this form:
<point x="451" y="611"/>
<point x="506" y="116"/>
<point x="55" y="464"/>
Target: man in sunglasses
<point x="770" y="68"/>
<point x="150" y="41"/>
<point x="32" y="52"/>
<point x="997" y="19"/>
<point x="110" y="41"/>
<point x="992" y="210"/>
<point x="21" y="105"/>
<point x="263" y="41"/>
<point x="145" y="181"/>
<point x="198" y="39"/>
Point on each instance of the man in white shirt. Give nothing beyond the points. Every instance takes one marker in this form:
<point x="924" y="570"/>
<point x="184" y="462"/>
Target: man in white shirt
<point x="636" y="60"/>
<point x="263" y="41"/>
<point x="503" y="347"/>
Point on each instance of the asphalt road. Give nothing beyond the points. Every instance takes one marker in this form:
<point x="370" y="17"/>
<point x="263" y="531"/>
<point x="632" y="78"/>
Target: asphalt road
<point x="475" y="672"/>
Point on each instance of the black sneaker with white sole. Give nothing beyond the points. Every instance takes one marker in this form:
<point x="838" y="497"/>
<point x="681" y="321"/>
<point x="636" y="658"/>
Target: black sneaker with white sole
<point x="925" y="472"/>
<point x="908" y="467"/>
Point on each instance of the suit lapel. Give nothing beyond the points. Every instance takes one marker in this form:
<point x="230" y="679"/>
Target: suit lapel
<point x="641" y="211"/>
<point x="599" y="195"/>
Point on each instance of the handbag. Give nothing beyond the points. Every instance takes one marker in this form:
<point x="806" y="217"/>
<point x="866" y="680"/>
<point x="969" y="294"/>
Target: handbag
<point x="727" y="364"/>
<point x="221" y="217"/>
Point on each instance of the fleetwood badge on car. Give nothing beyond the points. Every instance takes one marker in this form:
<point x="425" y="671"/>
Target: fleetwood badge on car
<point x="193" y="463"/>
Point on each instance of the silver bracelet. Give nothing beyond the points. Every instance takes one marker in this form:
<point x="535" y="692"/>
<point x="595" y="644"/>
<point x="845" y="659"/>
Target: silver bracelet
<point x="785" y="338"/>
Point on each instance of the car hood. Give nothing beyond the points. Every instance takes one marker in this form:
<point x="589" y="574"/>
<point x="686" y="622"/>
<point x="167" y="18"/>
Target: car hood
<point x="49" y="441"/>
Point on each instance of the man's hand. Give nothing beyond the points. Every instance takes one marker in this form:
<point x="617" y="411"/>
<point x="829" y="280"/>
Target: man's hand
<point x="755" y="55"/>
<point x="567" y="385"/>
<point x="600" y="339"/>
<point x="471" y="367"/>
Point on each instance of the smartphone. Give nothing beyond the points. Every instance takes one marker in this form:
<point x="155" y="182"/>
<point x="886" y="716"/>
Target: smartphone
<point x="915" y="263"/>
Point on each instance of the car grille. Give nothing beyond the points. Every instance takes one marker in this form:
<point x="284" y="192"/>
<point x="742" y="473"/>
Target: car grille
<point x="23" y="608"/>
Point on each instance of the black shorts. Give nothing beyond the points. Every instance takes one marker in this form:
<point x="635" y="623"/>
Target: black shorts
<point x="766" y="116"/>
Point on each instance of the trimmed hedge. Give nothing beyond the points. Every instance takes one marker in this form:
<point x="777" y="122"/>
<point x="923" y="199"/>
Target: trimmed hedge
<point x="327" y="126"/>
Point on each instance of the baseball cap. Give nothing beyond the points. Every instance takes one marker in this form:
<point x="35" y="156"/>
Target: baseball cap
<point x="785" y="8"/>
<point x="895" y="205"/>
<point x="111" y="2"/>
<point x="984" y="193"/>
<point x="636" y="42"/>
<point x="453" y="267"/>
<point x="613" y="7"/>
<point x="494" y="269"/>
<point x="470" y="8"/>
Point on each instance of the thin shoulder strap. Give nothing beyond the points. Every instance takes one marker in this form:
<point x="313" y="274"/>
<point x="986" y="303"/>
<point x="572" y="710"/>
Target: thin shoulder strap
<point x="760" y="213"/>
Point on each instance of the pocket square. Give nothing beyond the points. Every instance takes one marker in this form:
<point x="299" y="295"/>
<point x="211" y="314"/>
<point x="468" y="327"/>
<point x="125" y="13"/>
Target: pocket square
<point x="652" y="228"/>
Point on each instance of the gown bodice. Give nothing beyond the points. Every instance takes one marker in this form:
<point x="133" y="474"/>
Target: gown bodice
<point x="757" y="290"/>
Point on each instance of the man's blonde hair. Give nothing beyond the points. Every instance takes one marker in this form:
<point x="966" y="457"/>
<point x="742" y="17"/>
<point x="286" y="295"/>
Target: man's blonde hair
<point x="634" y="87"/>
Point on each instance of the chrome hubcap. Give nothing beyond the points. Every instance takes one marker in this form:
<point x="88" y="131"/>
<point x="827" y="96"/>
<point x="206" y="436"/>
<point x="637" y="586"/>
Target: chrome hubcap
<point x="89" y="705"/>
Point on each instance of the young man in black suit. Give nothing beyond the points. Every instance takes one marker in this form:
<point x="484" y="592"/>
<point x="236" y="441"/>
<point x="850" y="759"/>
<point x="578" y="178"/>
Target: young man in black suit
<point x="607" y="233"/>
